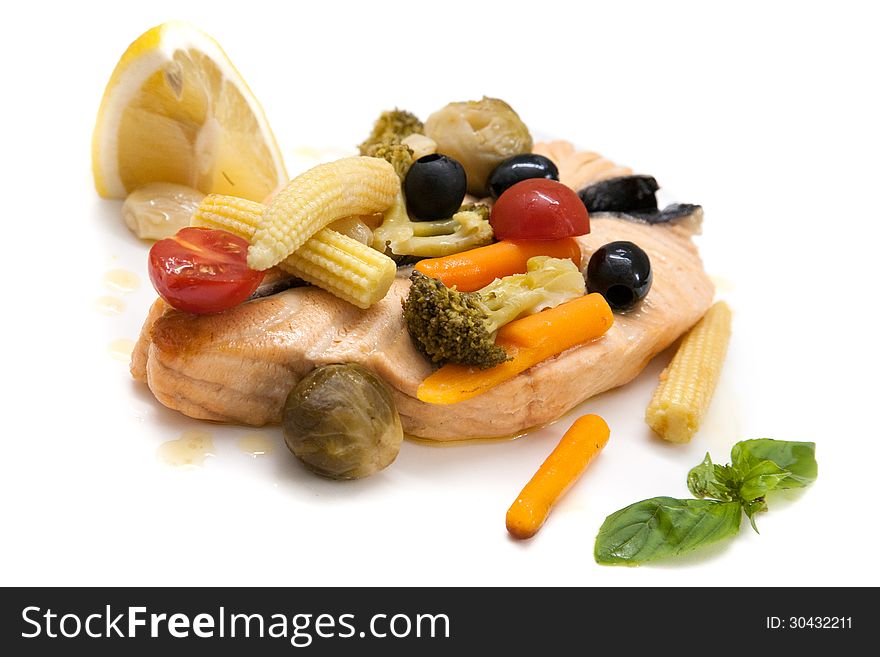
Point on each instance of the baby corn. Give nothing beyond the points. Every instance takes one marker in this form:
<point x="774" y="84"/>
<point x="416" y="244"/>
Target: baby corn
<point x="321" y="195"/>
<point x="334" y="262"/>
<point x="687" y="384"/>
<point x="236" y="215"/>
<point x="343" y="266"/>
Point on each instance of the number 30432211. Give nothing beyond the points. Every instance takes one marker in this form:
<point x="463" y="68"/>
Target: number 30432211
<point x="809" y="622"/>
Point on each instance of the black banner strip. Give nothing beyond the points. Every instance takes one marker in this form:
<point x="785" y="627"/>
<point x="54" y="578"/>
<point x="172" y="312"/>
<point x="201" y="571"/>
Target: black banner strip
<point x="423" y="621"/>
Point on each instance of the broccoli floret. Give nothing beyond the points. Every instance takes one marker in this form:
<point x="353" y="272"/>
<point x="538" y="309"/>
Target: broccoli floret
<point x="481" y="209"/>
<point x="392" y="126"/>
<point x="449" y="326"/>
<point x="398" y="235"/>
<point x="390" y="129"/>
<point x="399" y="155"/>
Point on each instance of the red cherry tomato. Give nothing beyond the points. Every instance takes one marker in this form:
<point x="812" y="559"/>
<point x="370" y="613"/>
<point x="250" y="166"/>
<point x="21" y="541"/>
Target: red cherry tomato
<point x="201" y="270"/>
<point x="539" y="209"/>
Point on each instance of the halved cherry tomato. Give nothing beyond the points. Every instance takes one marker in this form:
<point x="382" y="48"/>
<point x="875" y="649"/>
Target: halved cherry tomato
<point x="539" y="209"/>
<point x="201" y="270"/>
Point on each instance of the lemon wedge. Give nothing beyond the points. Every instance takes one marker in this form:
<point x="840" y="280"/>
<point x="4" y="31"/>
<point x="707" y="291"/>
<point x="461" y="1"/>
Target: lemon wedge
<point x="175" y="110"/>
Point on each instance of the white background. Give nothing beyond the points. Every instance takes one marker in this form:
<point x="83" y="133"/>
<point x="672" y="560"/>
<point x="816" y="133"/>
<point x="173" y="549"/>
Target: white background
<point x="765" y="113"/>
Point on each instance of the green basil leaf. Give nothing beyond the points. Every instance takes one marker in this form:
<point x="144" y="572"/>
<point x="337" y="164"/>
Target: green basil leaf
<point x="701" y="478"/>
<point x="762" y="478"/>
<point x="799" y="459"/>
<point x="710" y="480"/>
<point x="754" y="507"/>
<point x="664" y="527"/>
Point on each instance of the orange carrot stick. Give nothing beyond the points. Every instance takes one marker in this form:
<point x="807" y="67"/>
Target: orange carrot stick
<point x="475" y="269"/>
<point x="561" y="327"/>
<point x="566" y="463"/>
<point x="528" y="341"/>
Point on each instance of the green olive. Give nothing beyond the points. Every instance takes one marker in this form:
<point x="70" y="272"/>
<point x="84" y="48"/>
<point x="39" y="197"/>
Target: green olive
<point x="341" y="422"/>
<point x="480" y="134"/>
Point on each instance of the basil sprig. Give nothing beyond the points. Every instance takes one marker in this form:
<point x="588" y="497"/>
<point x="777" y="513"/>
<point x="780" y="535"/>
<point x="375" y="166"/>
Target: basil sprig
<point x="663" y="527"/>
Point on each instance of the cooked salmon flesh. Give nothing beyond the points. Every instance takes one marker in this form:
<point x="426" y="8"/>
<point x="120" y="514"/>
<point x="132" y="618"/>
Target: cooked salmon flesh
<point x="238" y="366"/>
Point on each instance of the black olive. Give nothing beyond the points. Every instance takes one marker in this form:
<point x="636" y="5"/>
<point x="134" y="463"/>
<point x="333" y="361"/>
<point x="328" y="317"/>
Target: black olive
<point x="620" y="272"/>
<point x="435" y="186"/>
<point x="518" y="168"/>
<point x="621" y="194"/>
<point x="671" y="213"/>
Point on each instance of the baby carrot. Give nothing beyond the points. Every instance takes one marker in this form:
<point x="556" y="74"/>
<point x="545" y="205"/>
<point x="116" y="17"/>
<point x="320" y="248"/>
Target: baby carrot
<point x="556" y="329"/>
<point x="527" y="341"/>
<point x="475" y="269"/>
<point x="566" y="463"/>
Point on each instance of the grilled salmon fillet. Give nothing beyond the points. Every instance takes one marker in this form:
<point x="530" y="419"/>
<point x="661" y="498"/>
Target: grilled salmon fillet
<point x="239" y="365"/>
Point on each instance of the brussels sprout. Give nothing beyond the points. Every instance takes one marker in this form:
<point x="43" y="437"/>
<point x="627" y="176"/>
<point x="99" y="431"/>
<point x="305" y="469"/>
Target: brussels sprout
<point x="341" y="422"/>
<point x="479" y="134"/>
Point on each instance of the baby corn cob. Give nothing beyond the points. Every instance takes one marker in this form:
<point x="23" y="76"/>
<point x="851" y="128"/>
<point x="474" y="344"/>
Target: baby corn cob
<point x="238" y="216"/>
<point x="343" y="266"/>
<point x="687" y="384"/>
<point x="321" y="195"/>
<point x="339" y="264"/>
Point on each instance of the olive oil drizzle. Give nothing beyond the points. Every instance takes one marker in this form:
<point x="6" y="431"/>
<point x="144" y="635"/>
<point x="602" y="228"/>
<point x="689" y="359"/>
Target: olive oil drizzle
<point x="122" y="280"/>
<point x="110" y="305"/>
<point x="255" y="444"/>
<point x="188" y="451"/>
<point x="121" y="349"/>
